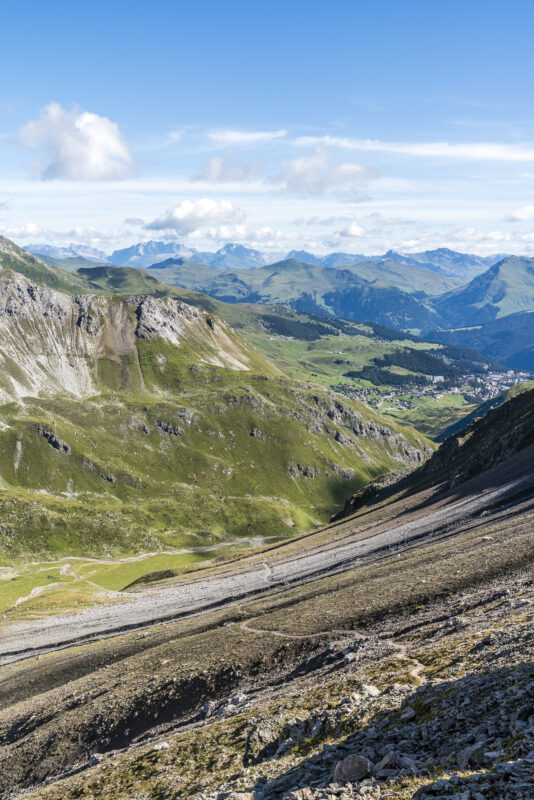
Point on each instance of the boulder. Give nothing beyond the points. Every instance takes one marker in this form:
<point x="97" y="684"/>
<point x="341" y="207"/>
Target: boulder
<point x="352" y="768"/>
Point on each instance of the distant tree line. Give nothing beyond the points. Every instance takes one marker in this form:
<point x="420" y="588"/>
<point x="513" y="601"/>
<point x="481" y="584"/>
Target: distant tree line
<point x="384" y="377"/>
<point x="306" y="331"/>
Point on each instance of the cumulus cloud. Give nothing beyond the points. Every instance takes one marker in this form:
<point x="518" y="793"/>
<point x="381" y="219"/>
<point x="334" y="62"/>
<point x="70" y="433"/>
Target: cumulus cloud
<point x="475" y="151"/>
<point x="191" y="215"/>
<point x="318" y="172"/>
<point x="243" y="138"/>
<point x="520" y="214"/>
<point x="254" y="236"/>
<point x="223" y="169"/>
<point x="77" y="145"/>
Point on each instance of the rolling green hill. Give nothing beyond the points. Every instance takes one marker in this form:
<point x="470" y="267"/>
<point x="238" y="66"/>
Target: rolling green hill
<point x="308" y="288"/>
<point x="413" y="278"/>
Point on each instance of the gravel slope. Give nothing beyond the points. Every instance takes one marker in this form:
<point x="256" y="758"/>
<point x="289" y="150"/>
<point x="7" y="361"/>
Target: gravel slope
<point x="173" y="600"/>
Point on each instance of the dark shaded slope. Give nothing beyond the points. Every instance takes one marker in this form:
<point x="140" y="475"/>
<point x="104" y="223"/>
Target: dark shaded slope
<point x="509" y="339"/>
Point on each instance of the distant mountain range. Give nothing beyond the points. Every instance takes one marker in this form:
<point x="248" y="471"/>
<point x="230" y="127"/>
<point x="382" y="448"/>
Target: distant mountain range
<point x="462" y="266"/>
<point x="416" y="292"/>
<point x="69" y="251"/>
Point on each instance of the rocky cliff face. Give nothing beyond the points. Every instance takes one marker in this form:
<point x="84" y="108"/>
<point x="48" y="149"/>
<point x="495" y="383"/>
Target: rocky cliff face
<point x="50" y="343"/>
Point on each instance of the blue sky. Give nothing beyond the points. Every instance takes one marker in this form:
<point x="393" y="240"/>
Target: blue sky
<point x="353" y="126"/>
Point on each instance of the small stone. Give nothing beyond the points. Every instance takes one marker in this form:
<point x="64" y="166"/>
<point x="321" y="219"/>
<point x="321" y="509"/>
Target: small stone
<point x="160" y="746"/>
<point x="370" y="691"/>
<point x="408" y="714"/>
<point x="207" y="708"/>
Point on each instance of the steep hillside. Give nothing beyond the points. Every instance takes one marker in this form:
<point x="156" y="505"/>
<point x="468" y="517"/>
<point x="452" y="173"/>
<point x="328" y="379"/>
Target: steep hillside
<point x="484" y="408"/>
<point x="502" y="434"/>
<point x="140" y="423"/>
<point x="492" y="439"/>
<point x="506" y="288"/>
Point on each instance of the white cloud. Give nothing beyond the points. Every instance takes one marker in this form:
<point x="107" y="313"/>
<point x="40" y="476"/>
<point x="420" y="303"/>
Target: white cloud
<point x="191" y="215"/>
<point x="380" y="219"/>
<point x="78" y="145"/>
<point x="135" y="221"/>
<point x="318" y="173"/>
<point x="225" y="170"/>
<point x="243" y="138"/>
<point x="475" y="151"/>
<point x="353" y="231"/>
<point x="472" y="235"/>
<point x="316" y="220"/>
<point x="520" y="214"/>
<point x="79" y="234"/>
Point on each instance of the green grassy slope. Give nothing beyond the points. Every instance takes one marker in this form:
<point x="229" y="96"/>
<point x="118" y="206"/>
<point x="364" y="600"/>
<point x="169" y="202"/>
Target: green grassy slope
<point x="225" y="458"/>
<point x="200" y="454"/>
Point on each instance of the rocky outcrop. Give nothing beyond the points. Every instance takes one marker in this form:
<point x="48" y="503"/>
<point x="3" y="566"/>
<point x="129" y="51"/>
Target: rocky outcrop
<point x="53" y="440"/>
